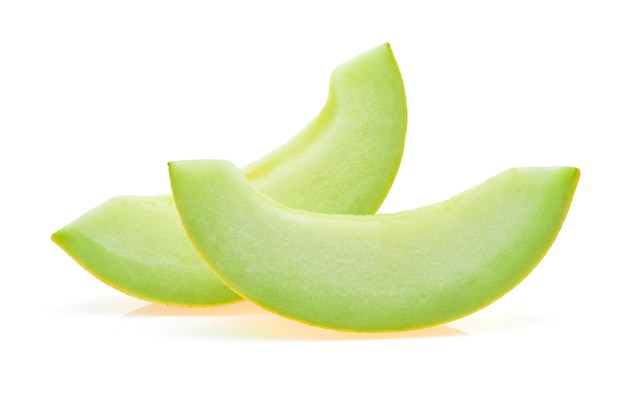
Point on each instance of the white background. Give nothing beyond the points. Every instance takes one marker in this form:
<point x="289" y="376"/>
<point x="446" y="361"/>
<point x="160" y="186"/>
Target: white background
<point x="96" y="97"/>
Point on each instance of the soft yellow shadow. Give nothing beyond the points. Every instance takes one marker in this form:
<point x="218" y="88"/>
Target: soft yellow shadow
<point x="273" y="326"/>
<point x="160" y="310"/>
<point x="251" y="321"/>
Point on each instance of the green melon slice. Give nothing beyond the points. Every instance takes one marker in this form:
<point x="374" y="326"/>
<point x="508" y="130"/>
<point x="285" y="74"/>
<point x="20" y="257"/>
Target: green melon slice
<point x="374" y="273"/>
<point x="344" y="161"/>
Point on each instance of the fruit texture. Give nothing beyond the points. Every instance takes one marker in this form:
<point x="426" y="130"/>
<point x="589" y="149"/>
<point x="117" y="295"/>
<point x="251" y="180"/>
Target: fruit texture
<point x="374" y="273"/>
<point x="344" y="161"/>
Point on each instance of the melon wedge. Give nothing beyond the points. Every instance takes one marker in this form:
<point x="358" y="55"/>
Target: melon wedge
<point x="374" y="273"/>
<point x="344" y="161"/>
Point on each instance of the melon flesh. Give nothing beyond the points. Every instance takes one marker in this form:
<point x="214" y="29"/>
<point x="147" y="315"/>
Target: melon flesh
<point x="386" y="272"/>
<point x="344" y="161"/>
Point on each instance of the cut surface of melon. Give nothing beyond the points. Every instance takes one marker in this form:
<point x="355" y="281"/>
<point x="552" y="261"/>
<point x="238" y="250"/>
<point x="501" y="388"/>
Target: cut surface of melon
<point x="378" y="273"/>
<point x="344" y="161"/>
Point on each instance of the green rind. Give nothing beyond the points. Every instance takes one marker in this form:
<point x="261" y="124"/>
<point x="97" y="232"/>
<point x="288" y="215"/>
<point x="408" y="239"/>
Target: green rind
<point x="391" y="272"/>
<point x="344" y="161"/>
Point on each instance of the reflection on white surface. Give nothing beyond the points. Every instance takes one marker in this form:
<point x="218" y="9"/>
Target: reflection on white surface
<point x="248" y="321"/>
<point x="105" y="306"/>
<point x="238" y="320"/>
<point x="254" y="322"/>
<point x="161" y="310"/>
<point x="272" y="326"/>
<point x="490" y="320"/>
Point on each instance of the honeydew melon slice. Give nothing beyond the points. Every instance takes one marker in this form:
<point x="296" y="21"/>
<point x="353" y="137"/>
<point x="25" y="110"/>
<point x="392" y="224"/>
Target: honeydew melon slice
<point x="344" y="161"/>
<point x="374" y="273"/>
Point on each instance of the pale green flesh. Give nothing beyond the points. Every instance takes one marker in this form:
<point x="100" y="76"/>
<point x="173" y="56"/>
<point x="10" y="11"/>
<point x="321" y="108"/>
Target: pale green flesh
<point x="344" y="161"/>
<point x="389" y="272"/>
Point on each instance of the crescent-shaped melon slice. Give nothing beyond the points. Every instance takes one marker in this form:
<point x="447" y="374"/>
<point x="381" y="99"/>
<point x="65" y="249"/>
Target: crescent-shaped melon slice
<point x="374" y="273"/>
<point x="344" y="161"/>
